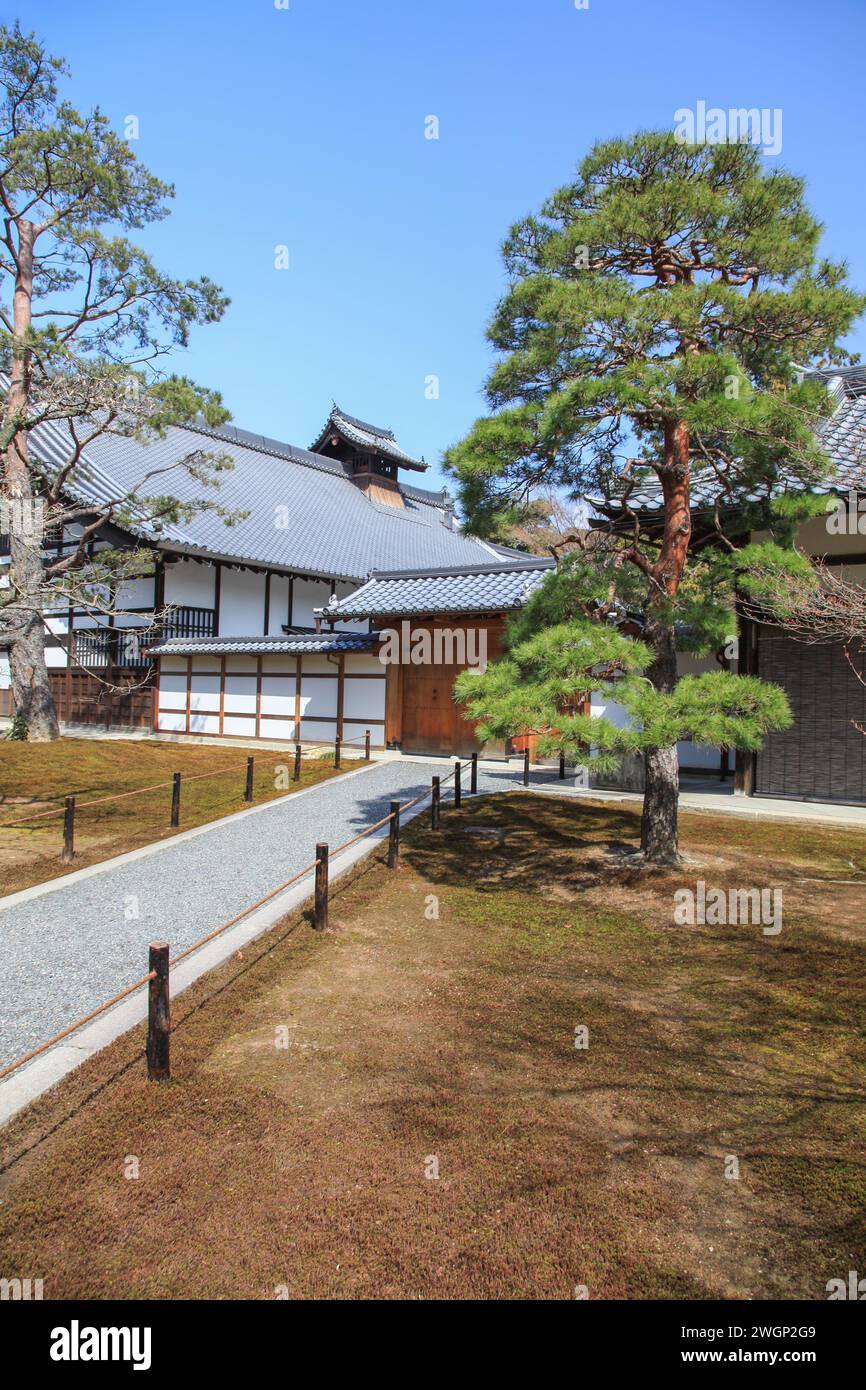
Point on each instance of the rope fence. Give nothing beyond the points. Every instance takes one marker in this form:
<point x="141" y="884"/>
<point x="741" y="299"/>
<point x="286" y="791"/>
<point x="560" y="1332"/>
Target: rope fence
<point x="157" y="977"/>
<point x="71" y="805"/>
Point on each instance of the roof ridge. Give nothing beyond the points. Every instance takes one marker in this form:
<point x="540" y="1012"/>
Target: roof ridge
<point x="263" y="444"/>
<point x="361" y="424"/>
<point x="532" y="562"/>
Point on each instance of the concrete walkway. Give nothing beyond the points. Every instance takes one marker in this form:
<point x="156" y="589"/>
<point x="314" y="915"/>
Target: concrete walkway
<point x="78" y="940"/>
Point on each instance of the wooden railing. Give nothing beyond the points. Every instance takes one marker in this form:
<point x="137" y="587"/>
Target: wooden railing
<point x="124" y="646"/>
<point x="184" y="621"/>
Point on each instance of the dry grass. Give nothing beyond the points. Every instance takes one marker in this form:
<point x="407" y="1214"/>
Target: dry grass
<point x="36" y="777"/>
<point x="414" y="1037"/>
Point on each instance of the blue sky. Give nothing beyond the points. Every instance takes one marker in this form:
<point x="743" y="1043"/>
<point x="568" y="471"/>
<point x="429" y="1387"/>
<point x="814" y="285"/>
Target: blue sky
<point x="304" y="127"/>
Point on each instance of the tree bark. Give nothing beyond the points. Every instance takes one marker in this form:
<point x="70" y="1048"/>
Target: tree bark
<point x="659" y="832"/>
<point x="31" y="688"/>
<point x="659" y="822"/>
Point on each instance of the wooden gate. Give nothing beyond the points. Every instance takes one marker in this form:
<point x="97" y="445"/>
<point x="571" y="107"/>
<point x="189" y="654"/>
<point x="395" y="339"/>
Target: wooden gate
<point x="431" y="721"/>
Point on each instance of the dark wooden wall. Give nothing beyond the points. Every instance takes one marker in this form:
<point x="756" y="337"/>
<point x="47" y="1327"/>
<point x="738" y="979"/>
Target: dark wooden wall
<point x="81" y="699"/>
<point x="823" y="755"/>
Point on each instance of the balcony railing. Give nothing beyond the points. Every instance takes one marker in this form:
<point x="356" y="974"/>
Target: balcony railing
<point x="125" y="646"/>
<point x="183" y="621"/>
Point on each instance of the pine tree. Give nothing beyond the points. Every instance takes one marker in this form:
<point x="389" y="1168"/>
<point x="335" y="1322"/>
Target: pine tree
<point x="90" y="320"/>
<point x="646" y="345"/>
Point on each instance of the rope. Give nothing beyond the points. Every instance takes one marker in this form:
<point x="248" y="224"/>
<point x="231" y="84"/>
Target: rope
<point x="246" y="912"/>
<point x="368" y="831"/>
<point x="119" y="796"/>
<point x="145" y="979"/>
<point x="34" y="1052"/>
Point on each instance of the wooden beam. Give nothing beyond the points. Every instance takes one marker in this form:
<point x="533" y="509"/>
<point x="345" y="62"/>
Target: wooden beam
<point x="155" y="715"/>
<point x="341" y="690"/>
<point x="393" y="704"/>
<point x="267" y="602"/>
<point x="70" y="639"/>
<point x="298" y="673"/>
<point x="217" y="586"/>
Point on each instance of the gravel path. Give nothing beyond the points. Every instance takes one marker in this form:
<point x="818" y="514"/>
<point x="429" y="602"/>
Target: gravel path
<point x="78" y="944"/>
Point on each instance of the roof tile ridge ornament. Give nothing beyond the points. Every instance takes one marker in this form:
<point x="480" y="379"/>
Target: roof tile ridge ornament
<point x="366" y="437"/>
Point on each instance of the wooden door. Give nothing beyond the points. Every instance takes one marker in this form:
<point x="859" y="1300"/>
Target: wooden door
<point x="431" y="721"/>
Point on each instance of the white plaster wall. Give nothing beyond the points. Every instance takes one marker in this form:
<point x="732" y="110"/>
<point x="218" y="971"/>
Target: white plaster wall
<point x="815" y="537"/>
<point x="601" y="706"/>
<point x="242" y="604"/>
<point x="308" y="594"/>
<point x="190" y="583"/>
<point x="278" y="614"/>
<point x="137" y="593"/>
<point x="364" y="699"/>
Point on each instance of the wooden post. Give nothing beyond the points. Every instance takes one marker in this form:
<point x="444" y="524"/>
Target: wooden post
<point x="321" y="919"/>
<point x="434" y="806"/>
<point x="248" y="791"/>
<point x="473" y="776"/>
<point x="337" y="742"/>
<point x="457" y="787"/>
<point x="158" y="1015"/>
<point x="561" y="765"/>
<point x="367" y="746"/>
<point x="175" y="800"/>
<point x="394" y="835"/>
<point x="68" y="831"/>
<point x="297" y="776"/>
<point x="526" y="767"/>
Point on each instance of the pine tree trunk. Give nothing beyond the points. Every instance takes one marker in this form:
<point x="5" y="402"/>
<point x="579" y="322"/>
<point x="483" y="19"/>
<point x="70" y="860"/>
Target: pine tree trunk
<point x="659" y="834"/>
<point x="32" y="699"/>
<point x="31" y="688"/>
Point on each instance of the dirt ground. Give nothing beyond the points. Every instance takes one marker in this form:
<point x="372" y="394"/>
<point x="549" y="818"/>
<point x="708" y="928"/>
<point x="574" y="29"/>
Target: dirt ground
<point x="36" y="777"/>
<point x="398" y="1108"/>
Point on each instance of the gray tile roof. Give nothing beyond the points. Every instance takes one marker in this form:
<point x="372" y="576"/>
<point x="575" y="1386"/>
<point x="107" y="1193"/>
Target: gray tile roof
<point x="332" y="528"/>
<point x="364" y="436"/>
<point x="490" y="588"/>
<point x="842" y="436"/>
<point x="295" y="643"/>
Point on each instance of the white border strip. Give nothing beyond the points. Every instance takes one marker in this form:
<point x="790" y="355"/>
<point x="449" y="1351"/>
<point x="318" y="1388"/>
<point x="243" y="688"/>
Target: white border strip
<point x="24" y="1086"/>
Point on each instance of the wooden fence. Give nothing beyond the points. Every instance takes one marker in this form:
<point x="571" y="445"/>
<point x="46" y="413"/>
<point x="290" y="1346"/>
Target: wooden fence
<point x="157" y="978"/>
